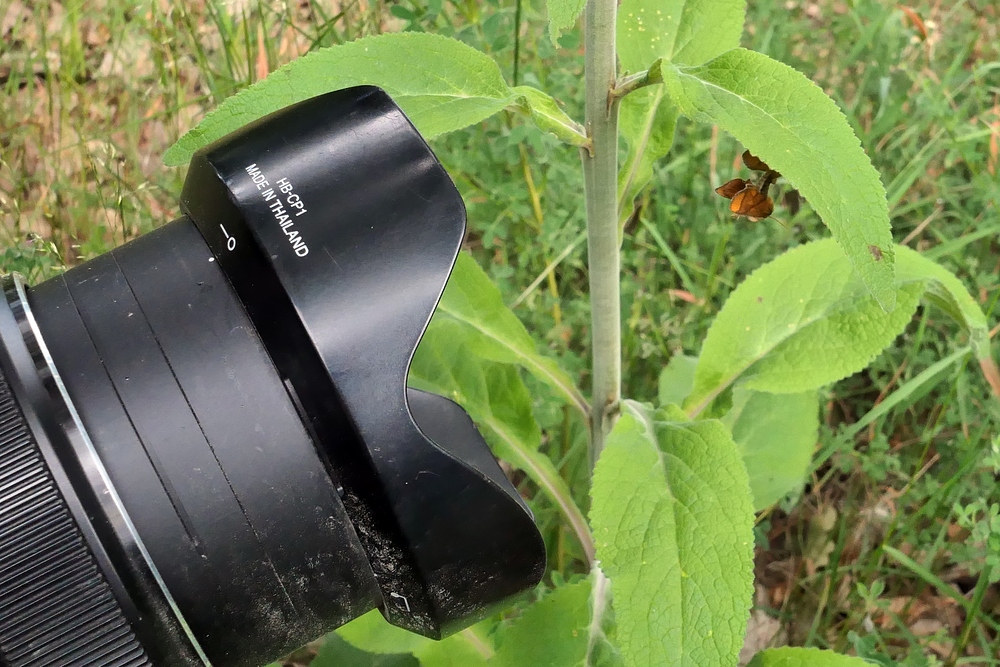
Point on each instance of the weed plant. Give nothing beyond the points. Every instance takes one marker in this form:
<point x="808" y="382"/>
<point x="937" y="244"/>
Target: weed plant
<point x="891" y="550"/>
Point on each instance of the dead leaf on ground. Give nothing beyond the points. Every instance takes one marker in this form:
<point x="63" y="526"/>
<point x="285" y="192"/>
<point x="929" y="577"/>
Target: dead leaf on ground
<point x="761" y="631"/>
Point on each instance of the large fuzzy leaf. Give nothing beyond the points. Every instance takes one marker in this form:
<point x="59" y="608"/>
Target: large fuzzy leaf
<point x="804" y="657"/>
<point x="802" y="321"/>
<point x="563" y="15"/>
<point x="805" y="320"/>
<point x="790" y="123"/>
<point x="552" y="632"/>
<point x="776" y="434"/>
<point x="672" y="518"/>
<point x="471" y="298"/>
<point x="680" y="31"/>
<point x="374" y="635"/>
<point x="440" y="83"/>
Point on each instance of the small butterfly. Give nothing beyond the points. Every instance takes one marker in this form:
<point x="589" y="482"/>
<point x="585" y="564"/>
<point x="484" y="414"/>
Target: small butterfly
<point x="748" y="199"/>
<point x="752" y="203"/>
<point x="729" y="189"/>
<point x="770" y="177"/>
<point x="753" y="162"/>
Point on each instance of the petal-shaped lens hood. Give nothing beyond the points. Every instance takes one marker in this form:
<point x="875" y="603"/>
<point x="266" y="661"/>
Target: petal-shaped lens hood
<point x="338" y="229"/>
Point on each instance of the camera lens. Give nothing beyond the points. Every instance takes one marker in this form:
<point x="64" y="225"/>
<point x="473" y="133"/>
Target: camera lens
<point x="208" y="452"/>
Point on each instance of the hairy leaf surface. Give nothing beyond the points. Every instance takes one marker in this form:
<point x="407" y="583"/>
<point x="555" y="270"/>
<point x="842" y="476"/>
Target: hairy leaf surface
<point x="680" y="31"/>
<point x="672" y="518"/>
<point x="552" y="632"/>
<point x="801" y="321"/>
<point x="804" y="657"/>
<point x="563" y="15"/>
<point x="471" y="298"/>
<point x="442" y="84"/>
<point x="804" y="320"/>
<point x="776" y="434"/>
<point x="789" y="122"/>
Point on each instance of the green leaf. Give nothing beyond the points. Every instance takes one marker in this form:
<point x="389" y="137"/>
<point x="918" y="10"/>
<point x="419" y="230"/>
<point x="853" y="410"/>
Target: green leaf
<point x="549" y="116"/>
<point x="371" y="632"/>
<point x="465" y="649"/>
<point x="552" y="632"/>
<point x="647" y="120"/>
<point x="680" y="31"/>
<point x="947" y="292"/>
<point x="804" y="657"/>
<point x="685" y="31"/>
<point x="677" y="379"/>
<point x="563" y="15"/>
<point x="802" y="321"/>
<point x="337" y="652"/>
<point x="790" y="123"/>
<point x="471" y="298"/>
<point x="672" y="518"/>
<point x="374" y="634"/>
<point x="493" y="394"/>
<point x="440" y="83"/>
<point x="777" y="436"/>
<point x="448" y="362"/>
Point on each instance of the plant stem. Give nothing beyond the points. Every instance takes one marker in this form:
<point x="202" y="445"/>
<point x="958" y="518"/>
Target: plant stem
<point x="598" y="605"/>
<point x="600" y="170"/>
<point x="600" y="173"/>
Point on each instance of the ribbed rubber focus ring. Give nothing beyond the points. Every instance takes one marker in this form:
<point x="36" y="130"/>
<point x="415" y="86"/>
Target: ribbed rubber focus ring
<point x="56" y="607"/>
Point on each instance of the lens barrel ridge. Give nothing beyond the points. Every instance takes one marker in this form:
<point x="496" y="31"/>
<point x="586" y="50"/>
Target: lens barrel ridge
<point x="57" y="607"/>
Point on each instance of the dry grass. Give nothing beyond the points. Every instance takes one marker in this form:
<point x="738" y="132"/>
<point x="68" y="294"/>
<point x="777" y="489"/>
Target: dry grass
<point x="94" y="92"/>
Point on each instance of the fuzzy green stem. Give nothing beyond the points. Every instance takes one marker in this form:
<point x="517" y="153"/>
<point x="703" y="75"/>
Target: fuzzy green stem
<point x="599" y="594"/>
<point x="600" y="170"/>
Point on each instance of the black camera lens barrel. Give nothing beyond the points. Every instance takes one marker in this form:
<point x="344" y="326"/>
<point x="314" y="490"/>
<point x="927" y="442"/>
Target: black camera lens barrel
<point x="221" y="412"/>
<point x="205" y="446"/>
<point x="61" y="598"/>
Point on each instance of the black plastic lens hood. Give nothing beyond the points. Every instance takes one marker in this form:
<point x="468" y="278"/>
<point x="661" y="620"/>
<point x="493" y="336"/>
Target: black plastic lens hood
<point x="338" y="229"/>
